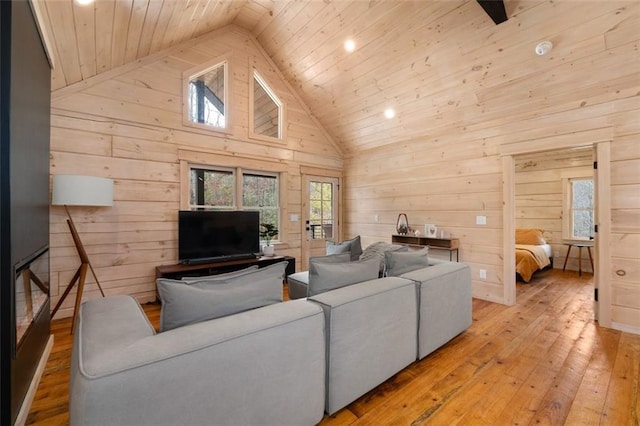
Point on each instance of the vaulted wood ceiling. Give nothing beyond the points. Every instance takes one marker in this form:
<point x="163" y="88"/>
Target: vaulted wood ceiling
<point x="409" y="55"/>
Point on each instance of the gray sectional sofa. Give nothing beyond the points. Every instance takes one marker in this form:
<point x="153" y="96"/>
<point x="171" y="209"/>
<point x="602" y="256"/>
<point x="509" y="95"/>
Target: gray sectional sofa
<point x="263" y="366"/>
<point x="285" y="363"/>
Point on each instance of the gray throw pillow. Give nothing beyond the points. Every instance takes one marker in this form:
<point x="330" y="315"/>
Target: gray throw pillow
<point x="398" y="263"/>
<point x="329" y="276"/>
<point x="377" y="251"/>
<point x="332" y="258"/>
<point x="191" y="302"/>
<point x="338" y="248"/>
<point x="220" y="276"/>
<point x="353" y="246"/>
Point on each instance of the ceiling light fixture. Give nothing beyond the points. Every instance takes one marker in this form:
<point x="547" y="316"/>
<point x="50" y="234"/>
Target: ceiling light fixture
<point x="349" y="45"/>
<point x="544" y="47"/>
<point x="389" y="113"/>
<point x="84" y="2"/>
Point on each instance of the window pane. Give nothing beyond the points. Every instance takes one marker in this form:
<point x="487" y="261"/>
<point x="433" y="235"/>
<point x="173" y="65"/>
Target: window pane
<point x="266" y="112"/>
<point x="582" y="208"/>
<point x="260" y="192"/>
<point x="326" y="211"/>
<point x="583" y="224"/>
<point x="582" y="194"/>
<point x="326" y="191"/>
<point x="315" y="190"/>
<point x="206" y="97"/>
<point x="321" y="209"/>
<point x="211" y="188"/>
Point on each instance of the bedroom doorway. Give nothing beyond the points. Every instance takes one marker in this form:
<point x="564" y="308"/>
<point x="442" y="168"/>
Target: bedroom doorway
<point x="579" y="161"/>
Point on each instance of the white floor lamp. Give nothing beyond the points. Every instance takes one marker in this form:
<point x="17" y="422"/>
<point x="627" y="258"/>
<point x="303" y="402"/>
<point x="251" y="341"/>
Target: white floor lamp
<point x="74" y="190"/>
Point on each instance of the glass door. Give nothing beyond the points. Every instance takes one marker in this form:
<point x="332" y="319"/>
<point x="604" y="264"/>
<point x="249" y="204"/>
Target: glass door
<point x="321" y="209"/>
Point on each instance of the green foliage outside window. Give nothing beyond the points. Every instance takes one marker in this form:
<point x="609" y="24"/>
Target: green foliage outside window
<point x="321" y="209"/>
<point x="260" y="192"/>
<point x="212" y="188"/>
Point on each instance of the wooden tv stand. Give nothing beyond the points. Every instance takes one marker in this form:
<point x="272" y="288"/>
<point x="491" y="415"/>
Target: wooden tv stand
<point x="180" y="270"/>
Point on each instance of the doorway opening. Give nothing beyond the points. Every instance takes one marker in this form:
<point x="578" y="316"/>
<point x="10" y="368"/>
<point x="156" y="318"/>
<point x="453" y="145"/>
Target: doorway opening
<point x="537" y="195"/>
<point x="321" y="214"/>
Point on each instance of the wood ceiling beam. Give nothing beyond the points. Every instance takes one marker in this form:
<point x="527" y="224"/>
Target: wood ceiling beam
<point x="495" y="9"/>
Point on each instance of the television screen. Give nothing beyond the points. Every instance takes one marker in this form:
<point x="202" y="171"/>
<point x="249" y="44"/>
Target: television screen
<point x="206" y="235"/>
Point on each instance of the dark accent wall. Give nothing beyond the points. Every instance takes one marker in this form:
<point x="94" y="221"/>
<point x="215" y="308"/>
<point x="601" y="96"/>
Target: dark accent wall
<point x="25" y="96"/>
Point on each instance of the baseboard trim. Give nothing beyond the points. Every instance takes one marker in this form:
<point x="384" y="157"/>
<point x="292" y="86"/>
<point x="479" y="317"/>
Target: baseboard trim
<point x="33" y="386"/>
<point x="625" y="328"/>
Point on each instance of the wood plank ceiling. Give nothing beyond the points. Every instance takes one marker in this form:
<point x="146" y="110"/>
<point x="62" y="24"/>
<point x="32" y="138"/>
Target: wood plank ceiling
<point x="409" y="54"/>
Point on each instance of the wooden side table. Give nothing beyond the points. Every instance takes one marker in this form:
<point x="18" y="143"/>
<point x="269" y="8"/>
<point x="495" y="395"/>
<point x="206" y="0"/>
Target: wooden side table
<point x="580" y="246"/>
<point x="448" y="244"/>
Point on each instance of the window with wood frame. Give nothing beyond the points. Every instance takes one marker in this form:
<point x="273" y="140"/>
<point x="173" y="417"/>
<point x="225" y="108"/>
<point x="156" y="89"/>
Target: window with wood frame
<point x="236" y="189"/>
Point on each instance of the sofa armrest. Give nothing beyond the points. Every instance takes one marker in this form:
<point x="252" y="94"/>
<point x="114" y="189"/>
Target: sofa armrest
<point x="239" y="369"/>
<point x="445" y="300"/>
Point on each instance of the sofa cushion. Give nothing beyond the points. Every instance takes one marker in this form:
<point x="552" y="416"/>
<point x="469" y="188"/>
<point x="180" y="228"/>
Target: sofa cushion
<point x="328" y="276"/>
<point x="191" y="302"/>
<point x="445" y="303"/>
<point x="377" y="250"/>
<point x="398" y="263"/>
<point x="371" y="331"/>
<point x="352" y="246"/>
<point x="221" y="276"/>
<point x="298" y="284"/>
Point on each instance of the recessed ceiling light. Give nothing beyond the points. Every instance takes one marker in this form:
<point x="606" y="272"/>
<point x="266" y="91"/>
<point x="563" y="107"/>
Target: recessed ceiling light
<point x="389" y="113"/>
<point x="84" y="2"/>
<point x="349" y="45"/>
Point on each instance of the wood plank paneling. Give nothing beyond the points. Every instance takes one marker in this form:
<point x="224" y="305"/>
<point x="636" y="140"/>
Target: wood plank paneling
<point x="495" y="97"/>
<point x="465" y="92"/>
<point x="133" y="132"/>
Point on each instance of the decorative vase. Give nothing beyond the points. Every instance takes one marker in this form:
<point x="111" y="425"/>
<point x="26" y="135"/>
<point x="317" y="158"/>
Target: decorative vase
<point x="268" y="250"/>
<point x="402" y="226"/>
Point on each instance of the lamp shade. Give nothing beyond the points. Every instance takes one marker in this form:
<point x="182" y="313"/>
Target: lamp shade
<point x="75" y="190"/>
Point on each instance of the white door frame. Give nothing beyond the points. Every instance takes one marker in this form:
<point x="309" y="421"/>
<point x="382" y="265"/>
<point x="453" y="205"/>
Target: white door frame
<point x="602" y="181"/>
<point x="309" y="174"/>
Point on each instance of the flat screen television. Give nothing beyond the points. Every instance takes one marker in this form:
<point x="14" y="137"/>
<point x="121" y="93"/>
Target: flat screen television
<point x="207" y="235"/>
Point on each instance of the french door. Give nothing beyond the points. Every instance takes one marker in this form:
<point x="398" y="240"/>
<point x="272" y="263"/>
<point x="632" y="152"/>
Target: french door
<point x="321" y="215"/>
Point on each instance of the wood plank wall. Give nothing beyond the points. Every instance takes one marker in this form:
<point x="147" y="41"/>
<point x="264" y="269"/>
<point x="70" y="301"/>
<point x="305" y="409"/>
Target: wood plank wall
<point x="127" y="125"/>
<point x="539" y="196"/>
<point x="450" y="171"/>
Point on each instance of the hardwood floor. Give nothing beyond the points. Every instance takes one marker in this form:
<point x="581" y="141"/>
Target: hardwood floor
<point x="541" y="361"/>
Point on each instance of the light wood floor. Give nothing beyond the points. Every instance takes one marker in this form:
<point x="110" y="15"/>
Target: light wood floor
<point x="542" y="361"/>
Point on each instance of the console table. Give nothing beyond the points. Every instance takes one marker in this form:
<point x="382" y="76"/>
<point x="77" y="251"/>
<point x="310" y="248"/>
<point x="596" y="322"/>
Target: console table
<point x="448" y="244"/>
<point x="180" y="270"/>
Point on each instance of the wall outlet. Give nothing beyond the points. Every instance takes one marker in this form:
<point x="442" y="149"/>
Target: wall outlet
<point x="556" y="254"/>
<point x="481" y="220"/>
<point x="483" y="274"/>
<point x="376" y="217"/>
